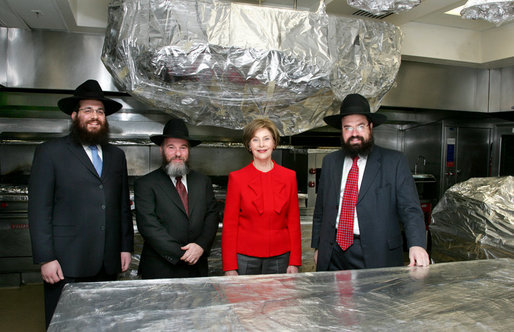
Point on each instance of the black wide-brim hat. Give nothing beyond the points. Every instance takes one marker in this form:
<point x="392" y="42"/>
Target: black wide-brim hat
<point x="175" y="128"/>
<point x="90" y="89"/>
<point x="354" y="104"/>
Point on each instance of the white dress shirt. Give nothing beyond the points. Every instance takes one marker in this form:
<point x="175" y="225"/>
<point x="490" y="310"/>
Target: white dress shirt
<point x="348" y="162"/>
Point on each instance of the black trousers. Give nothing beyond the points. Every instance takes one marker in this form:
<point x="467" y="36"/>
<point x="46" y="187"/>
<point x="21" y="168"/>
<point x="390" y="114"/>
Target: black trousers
<point x="247" y="265"/>
<point x="52" y="292"/>
<point x="349" y="259"/>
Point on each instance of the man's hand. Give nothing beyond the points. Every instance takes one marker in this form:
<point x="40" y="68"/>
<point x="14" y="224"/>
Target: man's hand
<point x="126" y="257"/>
<point x="418" y="256"/>
<point x="51" y="272"/>
<point x="316" y="257"/>
<point x="192" y="254"/>
<point x="231" y="273"/>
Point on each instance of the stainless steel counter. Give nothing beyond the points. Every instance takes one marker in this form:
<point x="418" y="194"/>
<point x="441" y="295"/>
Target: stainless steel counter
<point x="458" y="296"/>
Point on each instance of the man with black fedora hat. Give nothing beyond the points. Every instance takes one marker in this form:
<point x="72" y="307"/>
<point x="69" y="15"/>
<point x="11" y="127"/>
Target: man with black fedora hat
<point x="175" y="210"/>
<point x="79" y="209"/>
<point x="366" y="197"/>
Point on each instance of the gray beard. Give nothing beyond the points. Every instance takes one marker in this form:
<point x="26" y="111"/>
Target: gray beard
<point x="177" y="170"/>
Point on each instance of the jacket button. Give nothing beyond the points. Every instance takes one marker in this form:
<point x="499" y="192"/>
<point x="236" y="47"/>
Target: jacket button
<point x="102" y="228"/>
<point x="103" y="206"/>
<point x="101" y="186"/>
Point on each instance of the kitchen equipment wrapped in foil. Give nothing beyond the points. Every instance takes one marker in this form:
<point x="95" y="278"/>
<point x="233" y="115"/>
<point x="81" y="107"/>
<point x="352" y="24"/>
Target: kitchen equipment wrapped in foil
<point x="495" y="11"/>
<point x="219" y="63"/>
<point x="381" y="7"/>
<point x="458" y="296"/>
<point x="474" y="220"/>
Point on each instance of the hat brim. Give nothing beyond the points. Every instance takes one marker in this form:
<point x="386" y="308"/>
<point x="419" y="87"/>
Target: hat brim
<point x="157" y="139"/>
<point x="68" y="104"/>
<point x="335" y="120"/>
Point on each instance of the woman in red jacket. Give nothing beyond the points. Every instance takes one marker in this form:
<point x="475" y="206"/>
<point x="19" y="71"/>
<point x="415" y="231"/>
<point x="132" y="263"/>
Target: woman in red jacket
<point x="261" y="224"/>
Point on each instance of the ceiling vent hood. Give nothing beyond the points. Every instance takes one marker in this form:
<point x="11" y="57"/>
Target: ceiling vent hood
<point x="222" y="64"/>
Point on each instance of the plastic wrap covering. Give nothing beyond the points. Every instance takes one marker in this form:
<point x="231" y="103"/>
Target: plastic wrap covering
<point x="380" y="7"/>
<point x="474" y="220"/>
<point x="459" y="296"/>
<point x="496" y="11"/>
<point x="222" y="64"/>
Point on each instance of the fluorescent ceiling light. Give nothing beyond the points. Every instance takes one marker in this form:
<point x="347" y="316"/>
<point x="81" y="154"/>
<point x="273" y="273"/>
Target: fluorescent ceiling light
<point x="455" y="11"/>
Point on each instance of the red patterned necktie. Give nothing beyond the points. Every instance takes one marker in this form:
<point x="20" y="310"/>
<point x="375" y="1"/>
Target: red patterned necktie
<point x="182" y="192"/>
<point x="351" y="192"/>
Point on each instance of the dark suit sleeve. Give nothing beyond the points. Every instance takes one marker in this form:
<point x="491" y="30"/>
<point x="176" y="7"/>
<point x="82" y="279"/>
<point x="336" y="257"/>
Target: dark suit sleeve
<point x="211" y="220"/>
<point x="41" y="202"/>
<point x="408" y="206"/>
<point x="150" y="226"/>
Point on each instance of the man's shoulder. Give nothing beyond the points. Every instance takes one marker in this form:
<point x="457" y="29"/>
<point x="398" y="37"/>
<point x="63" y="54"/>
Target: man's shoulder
<point x="156" y="173"/>
<point x="54" y="144"/>
<point x="197" y="175"/>
<point x="333" y="156"/>
<point x="387" y="153"/>
<point x="110" y="148"/>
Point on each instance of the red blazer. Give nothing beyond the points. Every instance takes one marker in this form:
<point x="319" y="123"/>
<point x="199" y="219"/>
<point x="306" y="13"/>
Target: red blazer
<point x="261" y="218"/>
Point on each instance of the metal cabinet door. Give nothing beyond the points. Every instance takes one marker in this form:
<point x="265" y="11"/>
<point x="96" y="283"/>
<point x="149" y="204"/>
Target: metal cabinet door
<point x="471" y="153"/>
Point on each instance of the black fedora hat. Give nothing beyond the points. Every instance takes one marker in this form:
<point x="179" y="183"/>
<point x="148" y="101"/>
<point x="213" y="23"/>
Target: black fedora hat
<point x="174" y="128"/>
<point x="90" y="89"/>
<point x="354" y="104"/>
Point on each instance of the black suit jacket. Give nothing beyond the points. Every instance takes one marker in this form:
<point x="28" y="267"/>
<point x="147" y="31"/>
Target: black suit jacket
<point x="165" y="226"/>
<point x="387" y="201"/>
<point x="75" y="216"/>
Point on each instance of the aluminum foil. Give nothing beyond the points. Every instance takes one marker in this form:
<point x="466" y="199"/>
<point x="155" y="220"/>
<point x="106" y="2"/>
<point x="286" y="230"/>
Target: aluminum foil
<point x="223" y="64"/>
<point x="495" y="11"/>
<point x="474" y="220"/>
<point x="381" y="7"/>
<point x="460" y="296"/>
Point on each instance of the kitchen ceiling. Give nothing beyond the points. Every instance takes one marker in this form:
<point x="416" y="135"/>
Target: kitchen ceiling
<point x="427" y="18"/>
<point x="91" y="15"/>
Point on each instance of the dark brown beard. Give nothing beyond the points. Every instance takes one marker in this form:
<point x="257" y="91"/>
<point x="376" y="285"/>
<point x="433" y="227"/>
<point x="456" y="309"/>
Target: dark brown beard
<point x="354" y="150"/>
<point x="82" y="135"/>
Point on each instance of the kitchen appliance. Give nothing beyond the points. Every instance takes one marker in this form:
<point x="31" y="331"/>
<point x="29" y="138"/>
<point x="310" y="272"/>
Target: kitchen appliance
<point x="16" y="265"/>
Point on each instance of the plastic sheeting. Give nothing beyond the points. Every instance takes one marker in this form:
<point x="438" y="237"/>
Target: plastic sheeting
<point x="495" y="11"/>
<point x="459" y="296"/>
<point x="474" y="220"/>
<point x="223" y="64"/>
<point x="381" y="7"/>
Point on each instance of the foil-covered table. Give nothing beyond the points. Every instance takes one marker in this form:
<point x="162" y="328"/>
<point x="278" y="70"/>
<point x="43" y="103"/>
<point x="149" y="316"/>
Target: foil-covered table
<point x="458" y="296"/>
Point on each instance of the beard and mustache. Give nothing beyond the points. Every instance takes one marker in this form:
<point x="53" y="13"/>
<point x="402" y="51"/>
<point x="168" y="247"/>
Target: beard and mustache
<point x="363" y="148"/>
<point x="175" y="169"/>
<point x="79" y="132"/>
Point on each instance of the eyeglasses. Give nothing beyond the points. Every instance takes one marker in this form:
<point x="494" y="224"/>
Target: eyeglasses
<point x="90" y="110"/>
<point x="360" y="128"/>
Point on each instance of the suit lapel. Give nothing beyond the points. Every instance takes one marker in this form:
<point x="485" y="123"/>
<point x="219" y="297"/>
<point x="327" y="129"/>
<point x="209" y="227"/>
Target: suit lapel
<point x="81" y="155"/>
<point x="373" y="164"/>
<point x="166" y="185"/>
<point x="195" y="192"/>
<point x="106" y="160"/>
<point x="337" y="173"/>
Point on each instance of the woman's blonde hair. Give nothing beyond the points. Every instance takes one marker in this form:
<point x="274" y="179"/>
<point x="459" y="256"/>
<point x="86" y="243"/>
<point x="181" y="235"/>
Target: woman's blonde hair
<point x="256" y="124"/>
